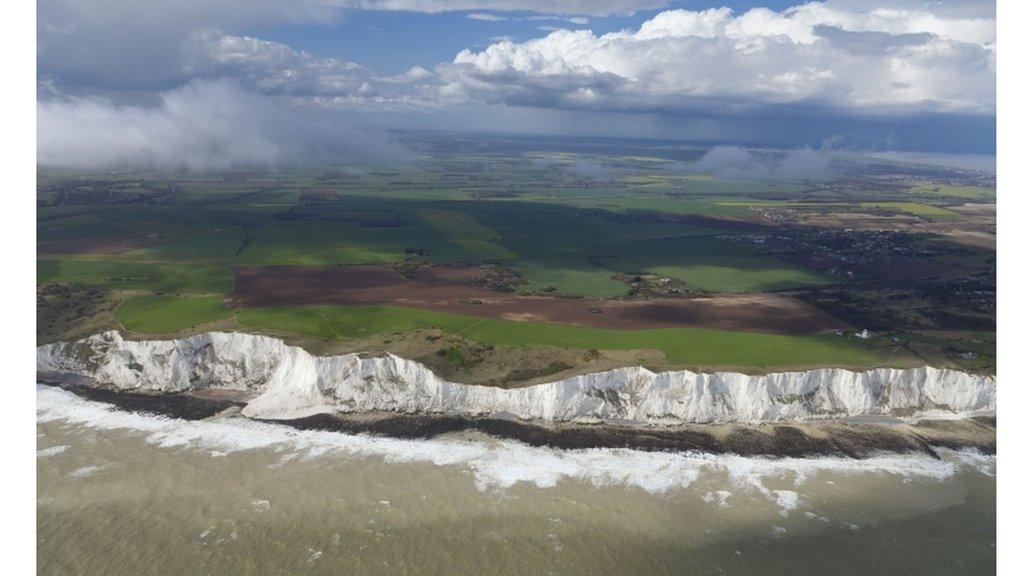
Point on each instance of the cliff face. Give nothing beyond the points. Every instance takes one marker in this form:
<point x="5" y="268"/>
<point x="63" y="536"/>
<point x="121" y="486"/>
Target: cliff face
<point x="291" y="383"/>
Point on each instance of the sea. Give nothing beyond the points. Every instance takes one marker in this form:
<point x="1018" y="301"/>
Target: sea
<point x="137" y="494"/>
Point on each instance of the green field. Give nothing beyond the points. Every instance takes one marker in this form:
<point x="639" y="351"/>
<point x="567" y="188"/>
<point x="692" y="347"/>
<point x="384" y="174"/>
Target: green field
<point x="168" y="314"/>
<point x="915" y="208"/>
<point x="681" y="346"/>
<point x="709" y="264"/>
<point x="571" y="277"/>
<point x="207" y="244"/>
<point x="560" y="244"/>
<point x="321" y="243"/>
<point x="650" y="204"/>
<point x="75" y="227"/>
<point x="726" y="274"/>
<point x="965" y="192"/>
<point x="463" y="230"/>
<point x="161" y="246"/>
<point x="156" y="277"/>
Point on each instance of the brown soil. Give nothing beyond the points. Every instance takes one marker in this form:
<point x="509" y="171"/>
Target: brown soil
<point x="450" y="289"/>
<point x="973" y="238"/>
<point x="975" y="209"/>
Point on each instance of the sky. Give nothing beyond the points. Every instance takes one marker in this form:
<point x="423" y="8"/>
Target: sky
<point x="216" y="83"/>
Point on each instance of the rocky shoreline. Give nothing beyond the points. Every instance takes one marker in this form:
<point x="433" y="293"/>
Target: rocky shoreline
<point x="817" y="412"/>
<point x="790" y="439"/>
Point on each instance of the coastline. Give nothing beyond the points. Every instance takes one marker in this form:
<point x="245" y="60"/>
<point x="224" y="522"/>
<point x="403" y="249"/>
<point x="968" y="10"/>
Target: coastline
<point x="805" y="438"/>
<point x="281" y="382"/>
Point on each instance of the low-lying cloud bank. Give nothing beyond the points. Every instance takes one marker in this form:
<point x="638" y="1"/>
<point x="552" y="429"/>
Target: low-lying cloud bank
<point x="740" y="164"/>
<point x="817" y="164"/>
<point x="202" y="125"/>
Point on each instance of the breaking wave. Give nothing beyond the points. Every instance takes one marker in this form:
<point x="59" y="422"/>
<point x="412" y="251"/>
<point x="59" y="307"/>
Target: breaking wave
<point x="498" y="463"/>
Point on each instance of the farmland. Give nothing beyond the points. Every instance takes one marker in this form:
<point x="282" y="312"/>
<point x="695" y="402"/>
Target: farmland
<point x="694" y="348"/>
<point x="132" y="275"/>
<point x="519" y="248"/>
<point x="464" y="290"/>
<point x="165" y="314"/>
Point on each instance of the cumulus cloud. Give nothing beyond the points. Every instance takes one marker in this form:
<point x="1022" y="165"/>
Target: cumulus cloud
<point x="274" y="68"/>
<point x="271" y="67"/>
<point x="909" y="68"/>
<point x="863" y="57"/>
<point x="736" y="163"/>
<point x="79" y="40"/>
<point x="204" y="125"/>
<point x="859" y="57"/>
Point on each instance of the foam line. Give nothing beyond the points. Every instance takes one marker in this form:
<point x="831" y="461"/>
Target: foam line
<point x="497" y="464"/>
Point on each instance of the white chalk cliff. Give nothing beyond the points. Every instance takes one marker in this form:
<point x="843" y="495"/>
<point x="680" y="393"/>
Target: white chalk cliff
<point x="292" y="383"/>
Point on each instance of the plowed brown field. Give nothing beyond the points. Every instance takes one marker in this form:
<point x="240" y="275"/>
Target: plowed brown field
<point x="450" y="289"/>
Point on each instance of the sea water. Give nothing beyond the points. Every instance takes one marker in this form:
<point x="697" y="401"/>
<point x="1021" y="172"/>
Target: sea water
<point x="126" y="493"/>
